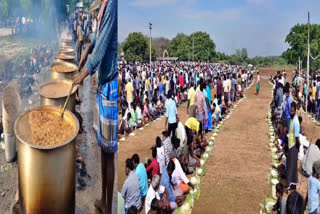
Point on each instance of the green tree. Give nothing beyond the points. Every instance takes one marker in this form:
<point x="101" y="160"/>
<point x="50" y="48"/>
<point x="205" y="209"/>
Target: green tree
<point x="135" y="47"/>
<point x="204" y="47"/>
<point x="297" y="40"/>
<point x="179" y="46"/>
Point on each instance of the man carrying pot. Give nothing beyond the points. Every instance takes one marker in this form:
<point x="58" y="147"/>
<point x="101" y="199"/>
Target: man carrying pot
<point x="103" y="59"/>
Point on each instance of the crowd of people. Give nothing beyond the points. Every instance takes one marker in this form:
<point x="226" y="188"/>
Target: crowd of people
<point x="301" y="92"/>
<point x="293" y="146"/>
<point x="209" y="90"/>
<point x="83" y="28"/>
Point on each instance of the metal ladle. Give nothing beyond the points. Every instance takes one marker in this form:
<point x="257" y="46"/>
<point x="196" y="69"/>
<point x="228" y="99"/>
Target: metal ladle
<point x="66" y="103"/>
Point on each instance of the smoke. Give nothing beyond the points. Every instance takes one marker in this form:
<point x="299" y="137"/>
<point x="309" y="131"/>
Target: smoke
<point x="39" y="18"/>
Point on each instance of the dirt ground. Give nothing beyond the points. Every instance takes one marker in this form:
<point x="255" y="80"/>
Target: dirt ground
<point x="237" y="173"/>
<point x="236" y="179"/>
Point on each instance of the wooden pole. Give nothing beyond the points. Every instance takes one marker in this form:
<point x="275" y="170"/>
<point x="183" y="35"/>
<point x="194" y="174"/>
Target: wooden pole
<point x="308" y="59"/>
<point x="150" y="47"/>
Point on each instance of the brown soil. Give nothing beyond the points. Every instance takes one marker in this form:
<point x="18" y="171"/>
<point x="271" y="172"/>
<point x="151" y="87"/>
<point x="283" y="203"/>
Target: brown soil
<point x="236" y="179"/>
<point x="45" y="128"/>
<point x="55" y="89"/>
<point x="64" y="68"/>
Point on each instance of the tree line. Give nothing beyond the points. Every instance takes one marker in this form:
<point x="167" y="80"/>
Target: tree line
<point x="199" y="46"/>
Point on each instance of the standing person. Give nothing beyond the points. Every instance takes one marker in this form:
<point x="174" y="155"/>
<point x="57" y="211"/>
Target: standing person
<point x="103" y="59"/>
<point x="74" y="28"/>
<point x="94" y="26"/>
<point x="287" y="102"/>
<point x="209" y="93"/>
<point x="171" y="115"/>
<point x="130" y="189"/>
<point x="314" y="101"/>
<point x="79" y="39"/>
<point x="129" y="91"/>
<point x="219" y="89"/>
<point x="314" y="189"/>
<point x="279" y="100"/>
<point x="142" y="175"/>
<point x="258" y="83"/>
<point x="199" y="100"/>
<point x="225" y="90"/>
<point x="191" y="96"/>
<point x="293" y="145"/>
<point x="233" y="89"/>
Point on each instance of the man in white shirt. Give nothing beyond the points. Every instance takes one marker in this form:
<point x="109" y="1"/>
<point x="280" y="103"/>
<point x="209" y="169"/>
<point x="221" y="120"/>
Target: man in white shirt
<point x="179" y="177"/>
<point x="152" y="192"/>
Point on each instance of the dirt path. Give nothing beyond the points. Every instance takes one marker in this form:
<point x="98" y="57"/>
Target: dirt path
<point x="236" y="179"/>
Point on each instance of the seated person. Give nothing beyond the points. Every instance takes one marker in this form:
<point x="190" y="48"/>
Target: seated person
<point x="134" y="121"/>
<point x="199" y="147"/>
<point x="175" y="199"/>
<point x="216" y="113"/>
<point x="139" y="114"/>
<point x="181" y="134"/>
<point x="148" y="115"/>
<point x="153" y="168"/>
<point x="280" y="206"/>
<point x="188" y="160"/>
<point x="179" y="178"/>
<point x="160" y="106"/>
<point x="124" y="125"/>
<point x="153" y="109"/>
<point x="141" y="172"/>
<point x="152" y="192"/>
<point x="161" y="159"/>
<point x="133" y="210"/>
<point x="131" y="190"/>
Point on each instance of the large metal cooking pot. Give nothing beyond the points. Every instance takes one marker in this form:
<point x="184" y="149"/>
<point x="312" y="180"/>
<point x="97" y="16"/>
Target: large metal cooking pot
<point x="67" y="51"/>
<point x="66" y="57"/>
<point x="58" y="75"/>
<point x="55" y="93"/>
<point x="46" y="174"/>
<point x="66" y="42"/>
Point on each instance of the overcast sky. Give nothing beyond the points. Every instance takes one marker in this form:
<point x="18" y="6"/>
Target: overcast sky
<point x="259" y="25"/>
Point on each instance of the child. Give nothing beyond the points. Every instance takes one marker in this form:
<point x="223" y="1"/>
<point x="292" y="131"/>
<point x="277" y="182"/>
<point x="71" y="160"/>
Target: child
<point x="258" y="83"/>
<point x="280" y="206"/>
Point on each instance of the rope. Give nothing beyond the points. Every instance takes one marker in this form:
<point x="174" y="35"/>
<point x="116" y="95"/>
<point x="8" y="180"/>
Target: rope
<point x="305" y="164"/>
